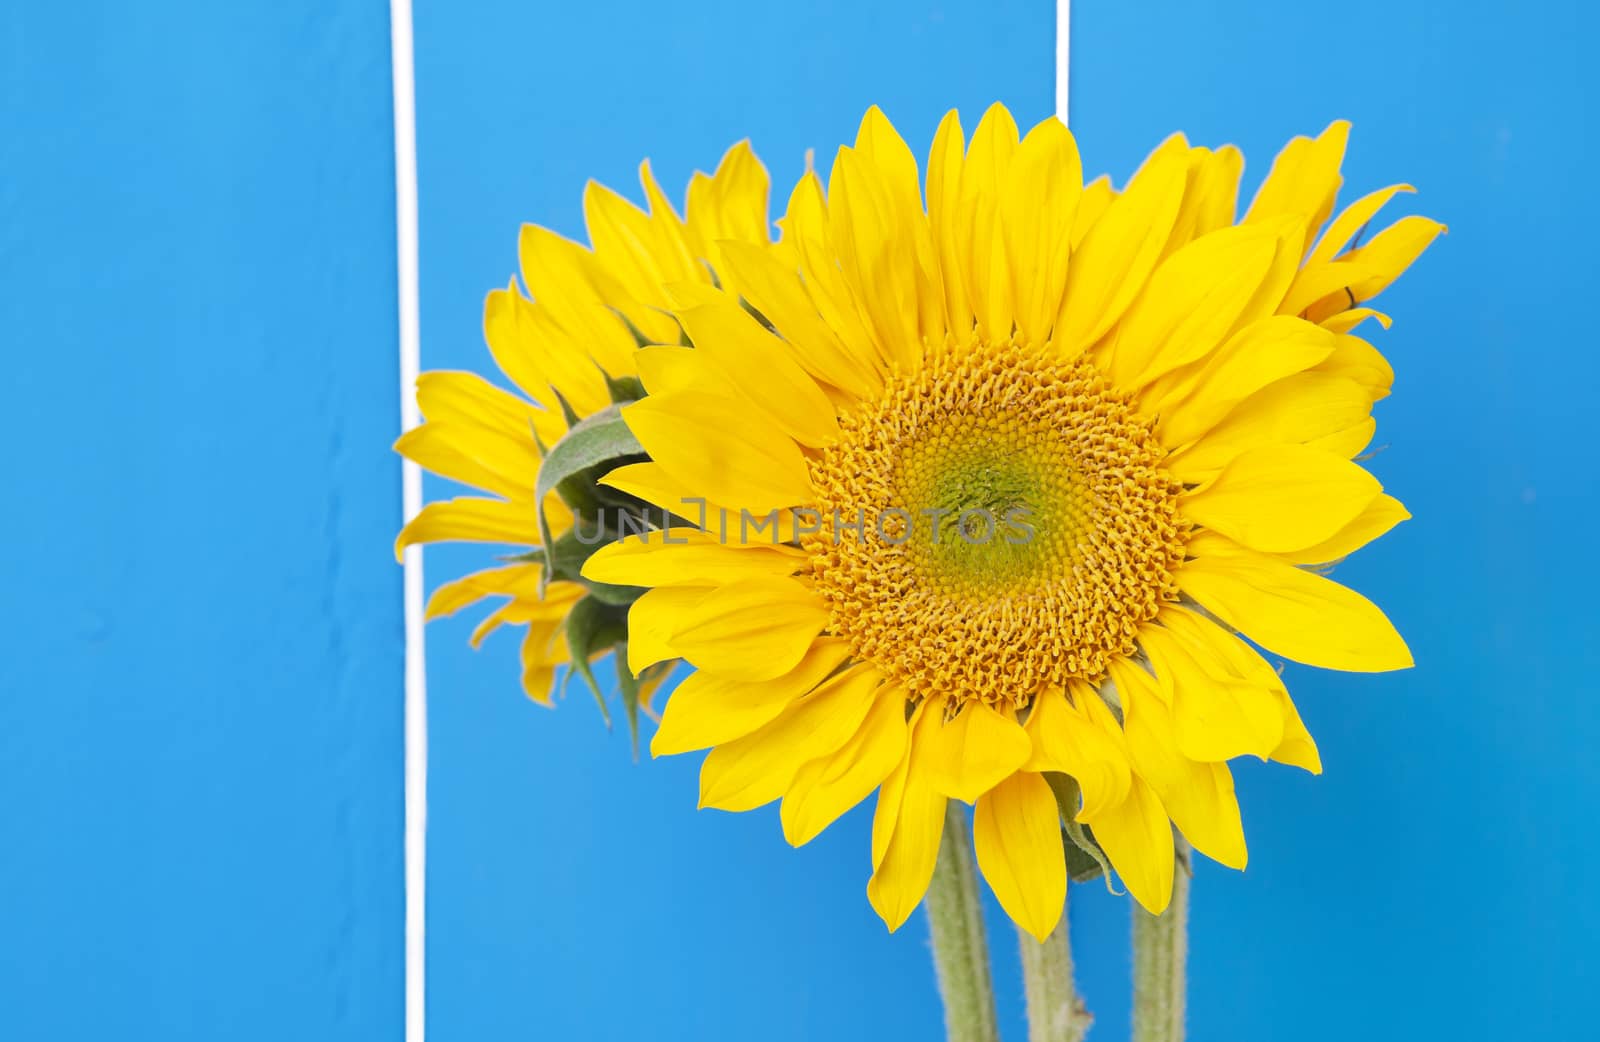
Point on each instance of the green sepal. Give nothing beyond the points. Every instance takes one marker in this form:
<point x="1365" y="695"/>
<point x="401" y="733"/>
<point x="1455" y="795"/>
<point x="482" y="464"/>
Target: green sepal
<point x="1085" y="859"/>
<point x="628" y="687"/>
<point x="590" y="449"/>
<point x="624" y="389"/>
<point x="593" y="627"/>
<point x="565" y="559"/>
<point x="568" y="413"/>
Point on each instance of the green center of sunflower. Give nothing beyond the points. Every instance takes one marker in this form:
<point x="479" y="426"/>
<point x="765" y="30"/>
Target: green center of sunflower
<point x="994" y="523"/>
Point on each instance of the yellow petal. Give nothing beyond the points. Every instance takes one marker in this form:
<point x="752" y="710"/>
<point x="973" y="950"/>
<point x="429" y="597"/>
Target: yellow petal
<point x="884" y="153"/>
<point x="1298" y="748"/>
<point x="1304" y="180"/>
<point x="708" y="710"/>
<point x="550" y="611"/>
<point x="651" y="620"/>
<point x="650" y="483"/>
<point x="1063" y="738"/>
<point x="1355" y="359"/>
<point x="762" y="367"/>
<point x="1296" y="410"/>
<point x="1217" y="714"/>
<point x="538" y="355"/>
<point x="974" y="750"/>
<point x="779" y="295"/>
<point x="1092" y="205"/>
<point x="671" y="241"/>
<point x="1245" y="663"/>
<point x="729" y="205"/>
<point x="512" y="580"/>
<point x="1261" y="353"/>
<point x="1037" y="210"/>
<point x="1198" y="796"/>
<point x="687" y="435"/>
<point x="905" y="833"/>
<point x="476" y="456"/>
<point x="687" y="557"/>
<point x="560" y="271"/>
<point x="1321" y="289"/>
<point x="1016" y="830"/>
<point x="1349" y="223"/>
<point x="1282" y="497"/>
<point x="754" y="770"/>
<point x="1290" y="611"/>
<point x="1137" y="837"/>
<point x="1119" y="252"/>
<point x="1379" y="516"/>
<point x="471" y="519"/>
<point x="1215" y="181"/>
<point x="1191" y="304"/>
<point x="754" y="629"/>
<point x="876" y="255"/>
<point x="572" y="289"/>
<point x="806" y="229"/>
<point x="469" y="398"/>
<point x="830" y="785"/>
<point x="994" y="143"/>
<point x="889" y="796"/>
<point x="667" y="369"/>
<point x="1344" y="321"/>
<point x="1389" y="254"/>
<point x="542" y="651"/>
<point x="945" y="161"/>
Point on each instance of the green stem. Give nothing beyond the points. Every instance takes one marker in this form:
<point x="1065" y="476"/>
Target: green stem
<point x="1160" y="950"/>
<point x="955" y="923"/>
<point x="1054" y="1012"/>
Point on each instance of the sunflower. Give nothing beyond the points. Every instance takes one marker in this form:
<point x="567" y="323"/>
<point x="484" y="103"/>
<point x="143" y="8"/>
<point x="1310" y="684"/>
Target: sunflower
<point x="570" y="346"/>
<point x="1011" y="492"/>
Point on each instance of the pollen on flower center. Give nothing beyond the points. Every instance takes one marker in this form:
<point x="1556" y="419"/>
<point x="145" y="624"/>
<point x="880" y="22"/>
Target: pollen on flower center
<point x="997" y="522"/>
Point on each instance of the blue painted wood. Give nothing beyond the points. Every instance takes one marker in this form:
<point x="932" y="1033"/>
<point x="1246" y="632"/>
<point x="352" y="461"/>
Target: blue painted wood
<point x="200" y="638"/>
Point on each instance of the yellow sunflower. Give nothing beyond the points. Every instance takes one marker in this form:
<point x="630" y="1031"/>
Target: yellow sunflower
<point x="997" y="489"/>
<point x="570" y="346"/>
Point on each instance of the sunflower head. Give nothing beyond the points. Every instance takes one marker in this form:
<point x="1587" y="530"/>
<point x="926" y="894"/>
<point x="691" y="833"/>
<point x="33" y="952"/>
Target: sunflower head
<point x="567" y="338"/>
<point x="994" y="523"/>
<point x="1046" y="471"/>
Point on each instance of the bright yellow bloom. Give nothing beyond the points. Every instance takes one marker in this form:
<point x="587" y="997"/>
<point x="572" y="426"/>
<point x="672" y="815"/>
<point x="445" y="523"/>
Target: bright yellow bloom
<point x="1038" y="454"/>
<point x="573" y="340"/>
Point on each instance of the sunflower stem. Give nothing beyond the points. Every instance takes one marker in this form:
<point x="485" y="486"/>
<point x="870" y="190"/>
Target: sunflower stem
<point x="1160" y="951"/>
<point x="1055" y="1014"/>
<point x="955" y="925"/>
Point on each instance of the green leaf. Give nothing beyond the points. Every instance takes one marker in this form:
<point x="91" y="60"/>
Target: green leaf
<point x="589" y="450"/>
<point x="1085" y="859"/>
<point x="594" y="627"/>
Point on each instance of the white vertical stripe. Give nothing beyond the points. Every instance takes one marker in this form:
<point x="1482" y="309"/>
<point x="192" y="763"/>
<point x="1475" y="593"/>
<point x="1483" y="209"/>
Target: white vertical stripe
<point x="416" y="690"/>
<point x="1063" y="54"/>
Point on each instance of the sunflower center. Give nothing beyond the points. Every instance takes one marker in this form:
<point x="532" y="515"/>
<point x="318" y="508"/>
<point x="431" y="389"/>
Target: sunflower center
<point x="993" y="524"/>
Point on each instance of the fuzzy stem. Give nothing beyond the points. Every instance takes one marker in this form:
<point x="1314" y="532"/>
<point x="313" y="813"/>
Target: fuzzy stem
<point x="955" y="924"/>
<point x="1054" y="1012"/>
<point x="1160" y="950"/>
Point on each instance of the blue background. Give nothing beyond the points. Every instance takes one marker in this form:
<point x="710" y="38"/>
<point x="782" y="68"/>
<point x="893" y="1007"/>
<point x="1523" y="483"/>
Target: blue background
<point x="200" y="638"/>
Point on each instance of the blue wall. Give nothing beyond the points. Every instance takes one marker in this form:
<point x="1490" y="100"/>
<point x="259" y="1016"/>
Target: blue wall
<point x="200" y="642"/>
<point x="200" y="637"/>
